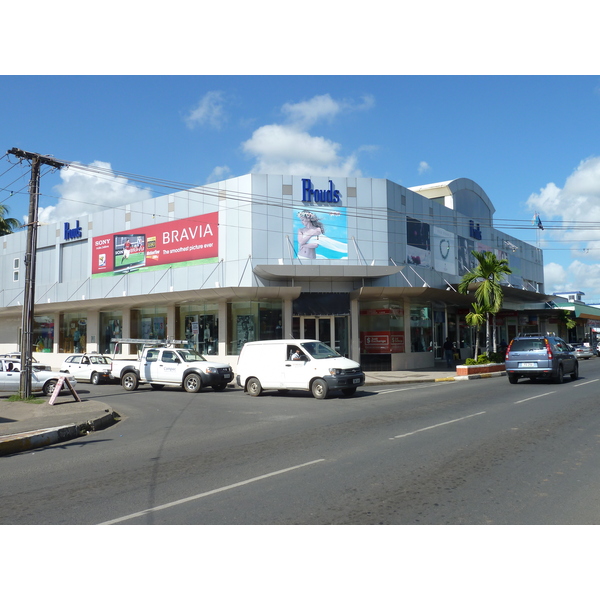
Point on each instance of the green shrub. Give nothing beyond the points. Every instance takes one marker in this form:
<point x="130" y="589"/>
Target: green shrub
<point x="484" y="359"/>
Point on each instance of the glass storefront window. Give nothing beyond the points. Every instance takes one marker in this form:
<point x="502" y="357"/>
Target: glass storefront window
<point x="250" y="321"/>
<point x="149" y="324"/>
<point x="199" y="325"/>
<point x="381" y="327"/>
<point x="110" y="327"/>
<point x="43" y="334"/>
<point x="72" y="333"/>
<point x="421" y="327"/>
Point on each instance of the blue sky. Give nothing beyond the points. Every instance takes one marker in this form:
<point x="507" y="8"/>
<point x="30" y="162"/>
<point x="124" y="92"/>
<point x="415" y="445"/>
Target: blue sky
<point x="529" y="137"/>
<point x="531" y="142"/>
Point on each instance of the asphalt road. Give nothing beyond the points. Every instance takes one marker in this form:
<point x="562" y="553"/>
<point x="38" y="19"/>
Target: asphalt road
<point x="465" y="452"/>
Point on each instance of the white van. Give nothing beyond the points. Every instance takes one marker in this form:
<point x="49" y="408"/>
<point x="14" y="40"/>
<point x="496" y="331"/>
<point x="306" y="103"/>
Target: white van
<point x="296" y="365"/>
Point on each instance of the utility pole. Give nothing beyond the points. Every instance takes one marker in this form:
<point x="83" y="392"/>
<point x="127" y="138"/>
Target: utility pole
<point x="30" y="255"/>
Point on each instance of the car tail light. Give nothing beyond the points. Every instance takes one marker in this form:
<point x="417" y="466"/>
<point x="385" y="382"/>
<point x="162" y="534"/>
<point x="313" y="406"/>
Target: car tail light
<point x="508" y="349"/>
<point x="549" y="348"/>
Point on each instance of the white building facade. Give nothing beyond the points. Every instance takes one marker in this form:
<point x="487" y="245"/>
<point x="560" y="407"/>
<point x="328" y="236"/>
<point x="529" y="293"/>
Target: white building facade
<point x="366" y="265"/>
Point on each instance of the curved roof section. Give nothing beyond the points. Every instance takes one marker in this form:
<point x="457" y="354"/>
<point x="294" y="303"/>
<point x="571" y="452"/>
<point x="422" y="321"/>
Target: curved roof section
<point x="457" y="189"/>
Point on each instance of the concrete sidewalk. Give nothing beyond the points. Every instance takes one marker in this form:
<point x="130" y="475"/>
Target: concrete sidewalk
<point x="25" y="426"/>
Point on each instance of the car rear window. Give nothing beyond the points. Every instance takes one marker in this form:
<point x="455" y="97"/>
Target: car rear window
<point x="527" y="345"/>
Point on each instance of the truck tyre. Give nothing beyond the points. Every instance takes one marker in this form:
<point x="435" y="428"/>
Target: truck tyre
<point x="192" y="383"/>
<point x="319" y="389"/>
<point x="253" y="387"/>
<point x="95" y="379"/>
<point x="130" y="381"/>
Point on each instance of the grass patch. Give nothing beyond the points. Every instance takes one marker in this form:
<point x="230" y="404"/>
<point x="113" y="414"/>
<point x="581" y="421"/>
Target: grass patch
<point x="30" y="400"/>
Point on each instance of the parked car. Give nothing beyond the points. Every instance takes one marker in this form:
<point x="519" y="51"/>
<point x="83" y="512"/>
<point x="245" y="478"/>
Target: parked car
<point x="35" y="364"/>
<point x="41" y="381"/>
<point x="582" y="351"/>
<point x="93" y="368"/>
<point x="540" y="356"/>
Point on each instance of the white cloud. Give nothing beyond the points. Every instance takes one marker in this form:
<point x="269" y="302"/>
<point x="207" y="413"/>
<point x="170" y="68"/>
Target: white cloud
<point x="306" y="114"/>
<point x="423" y="167"/>
<point x="578" y="200"/>
<point x="555" y="278"/>
<point x="219" y="174"/>
<point x="209" y="111"/>
<point x="82" y="192"/>
<point x="288" y="148"/>
<point x="578" y="276"/>
<point x="572" y="208"/>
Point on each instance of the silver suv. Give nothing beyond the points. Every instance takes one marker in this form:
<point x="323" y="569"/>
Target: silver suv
<point x="540" y="356"/>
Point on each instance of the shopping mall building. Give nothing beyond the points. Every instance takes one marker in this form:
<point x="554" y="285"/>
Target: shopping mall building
<point x="365" y="265"/>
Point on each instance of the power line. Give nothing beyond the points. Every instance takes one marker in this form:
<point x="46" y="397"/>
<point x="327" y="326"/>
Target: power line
<point x="383" y="213"/>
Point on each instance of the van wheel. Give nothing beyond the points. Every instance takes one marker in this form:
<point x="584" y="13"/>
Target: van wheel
<point x="192" y="383"/>
<point x="513" y="378"/>
<point x="253" y="387"/>
<point x="575" y="373"/>
<point x="319" y="389"/>
<point x="130" y="382"/>
<point x="349" y="392"/>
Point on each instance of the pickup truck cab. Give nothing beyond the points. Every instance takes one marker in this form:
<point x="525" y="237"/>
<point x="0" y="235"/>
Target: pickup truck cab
<point x="176" y="367"/>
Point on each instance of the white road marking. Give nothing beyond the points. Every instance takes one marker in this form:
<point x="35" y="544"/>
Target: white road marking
<point x="586" y="382"/>
<point x="421" y="386"/>
<point x="209" y="493"/>
<point x="534" y="397"/>
<point x="438" y="425"/>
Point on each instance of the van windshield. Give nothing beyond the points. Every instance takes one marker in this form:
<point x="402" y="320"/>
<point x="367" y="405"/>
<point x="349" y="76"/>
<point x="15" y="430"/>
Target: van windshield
<point x="319" y="350"/>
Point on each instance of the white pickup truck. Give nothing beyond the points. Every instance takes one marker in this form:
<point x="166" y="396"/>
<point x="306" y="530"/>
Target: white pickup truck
<point x="162" y="366"/>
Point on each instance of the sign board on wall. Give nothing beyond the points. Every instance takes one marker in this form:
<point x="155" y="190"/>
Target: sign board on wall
<point x="192" y="240"/>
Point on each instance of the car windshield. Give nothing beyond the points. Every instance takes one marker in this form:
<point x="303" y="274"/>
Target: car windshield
<point x="190" y="356"/>
<point x="319" y="350"/>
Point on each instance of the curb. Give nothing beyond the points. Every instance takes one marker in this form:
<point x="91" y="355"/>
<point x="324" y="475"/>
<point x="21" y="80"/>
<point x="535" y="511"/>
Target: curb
<point x="30" y="440"/>
<point x="480" y="376"/>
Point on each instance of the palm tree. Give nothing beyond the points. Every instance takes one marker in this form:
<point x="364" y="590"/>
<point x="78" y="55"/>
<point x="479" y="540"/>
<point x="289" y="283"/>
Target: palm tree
<point x="7" y="224"/>
<point x="476" y="318"/>
<point x="489" y="273"/>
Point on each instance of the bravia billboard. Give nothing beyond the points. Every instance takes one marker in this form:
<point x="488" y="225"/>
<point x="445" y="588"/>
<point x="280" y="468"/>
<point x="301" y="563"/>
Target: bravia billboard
<point x="194" y="240"/>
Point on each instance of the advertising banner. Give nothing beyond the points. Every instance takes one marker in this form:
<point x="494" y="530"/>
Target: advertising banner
<point x="382" y="342"/>
<point x="191" y="240"/>
<point x="444" y="250"/>
<point x="321" y="232"/>
<point x="418" y="243"/>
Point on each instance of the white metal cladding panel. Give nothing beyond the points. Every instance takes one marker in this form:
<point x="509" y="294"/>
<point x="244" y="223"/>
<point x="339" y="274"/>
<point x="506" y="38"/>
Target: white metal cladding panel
<point x="45" y="265"/>
<point x="74" y="261"/>
<point x="274" y="190"/>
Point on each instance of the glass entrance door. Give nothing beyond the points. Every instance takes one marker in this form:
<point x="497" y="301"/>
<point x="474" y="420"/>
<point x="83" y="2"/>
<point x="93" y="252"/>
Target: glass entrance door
<point x="330" y="330"/>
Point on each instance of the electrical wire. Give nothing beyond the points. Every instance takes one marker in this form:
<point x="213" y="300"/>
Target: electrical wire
<point x="375" y="213"/>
